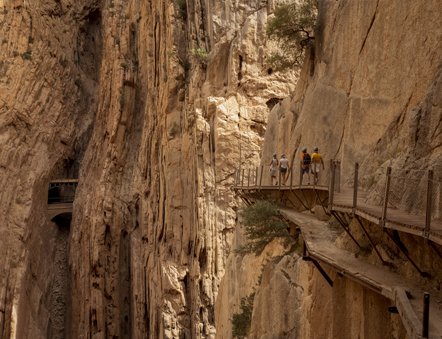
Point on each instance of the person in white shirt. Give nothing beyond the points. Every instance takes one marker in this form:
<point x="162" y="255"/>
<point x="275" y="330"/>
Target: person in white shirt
<point x="283" y="168"/>
<point x="273" y="169"/>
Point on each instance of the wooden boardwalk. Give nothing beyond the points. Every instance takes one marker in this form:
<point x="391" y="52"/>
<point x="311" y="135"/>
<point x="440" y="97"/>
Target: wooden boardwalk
<point x="343" y="202"/>
<point x="395" y="218"/>
<point x="405" y="294"/>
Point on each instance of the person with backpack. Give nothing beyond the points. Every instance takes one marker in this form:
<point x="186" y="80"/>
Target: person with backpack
<point x="317" y="162"/>
<point x="273" y="169"/>
<point x="306" y="161"/>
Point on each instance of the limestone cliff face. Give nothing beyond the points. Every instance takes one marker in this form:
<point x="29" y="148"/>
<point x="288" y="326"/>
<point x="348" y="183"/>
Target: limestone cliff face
<point x="370" y="92"/>
<point x="369" y="95"/>
<point x="48" y="76"/>
<point x="153" y="105"/>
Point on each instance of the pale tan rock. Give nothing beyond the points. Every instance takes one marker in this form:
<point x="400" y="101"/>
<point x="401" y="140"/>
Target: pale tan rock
<point x="154" y="215"/>
<point x="159" y="134"/>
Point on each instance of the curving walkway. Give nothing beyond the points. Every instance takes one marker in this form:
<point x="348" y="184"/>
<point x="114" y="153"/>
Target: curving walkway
<point x="344" y="202"/>
<point x="319" y="240"/>
<point x="405" y="294"/>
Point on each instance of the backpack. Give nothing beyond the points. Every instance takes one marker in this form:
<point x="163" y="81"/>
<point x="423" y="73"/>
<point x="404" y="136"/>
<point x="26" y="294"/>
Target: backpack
<point x="306" y="159"/>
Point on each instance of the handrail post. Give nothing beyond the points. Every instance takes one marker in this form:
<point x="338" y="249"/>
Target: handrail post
<point x="260" y="177"/>
<point x="332" y="185"/>
<point x="279" y="179"/>
<point x="291" y="177"/>
<point x="355" y="188"/>
<point x="248" y="178"/>
<point x="314" y="175"/>
<point x="256" y="176"/>
<point x="429" y="204"/>
<point x="242" y="177"/>
<point x="426" y="315"/>
<point x="338" y="176"/>
<point x="300" y="174"/>
<point x="386" y="194"/>
<point x="240" y="168"/>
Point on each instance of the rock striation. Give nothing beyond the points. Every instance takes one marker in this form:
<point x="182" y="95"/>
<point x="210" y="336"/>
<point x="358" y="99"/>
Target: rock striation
<point x="366" y="94"/>
<point x="152" y="105"/>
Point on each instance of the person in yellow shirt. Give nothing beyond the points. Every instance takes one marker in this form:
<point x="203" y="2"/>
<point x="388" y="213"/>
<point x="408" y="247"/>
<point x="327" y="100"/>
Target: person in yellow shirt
<point x="317" y="163"/>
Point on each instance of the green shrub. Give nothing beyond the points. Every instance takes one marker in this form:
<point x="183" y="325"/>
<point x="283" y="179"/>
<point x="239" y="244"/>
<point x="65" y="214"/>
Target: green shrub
<point x="27" y="55"/>
<point x="292" y="27"/>
<point x="263" y="223"/>
<point x="185" y="64"/>
<point x="241" y="321"/>
<point x="201" y="54"/>
<point x="182" y="8"/>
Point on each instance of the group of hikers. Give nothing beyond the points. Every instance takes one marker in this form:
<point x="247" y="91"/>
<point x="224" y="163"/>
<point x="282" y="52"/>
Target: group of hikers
<point x="309" y="164"/>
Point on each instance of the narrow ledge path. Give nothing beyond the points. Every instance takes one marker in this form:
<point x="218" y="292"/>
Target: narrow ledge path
<point x="406" y="295"/>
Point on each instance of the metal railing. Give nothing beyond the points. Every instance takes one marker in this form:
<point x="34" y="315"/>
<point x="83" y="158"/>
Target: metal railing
<point x="260" y="176"/>
<point x="62" y="191"/>
<point x="413" y="191"/>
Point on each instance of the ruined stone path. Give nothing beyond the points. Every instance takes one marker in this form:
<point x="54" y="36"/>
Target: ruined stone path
<point x="405" y="294"/>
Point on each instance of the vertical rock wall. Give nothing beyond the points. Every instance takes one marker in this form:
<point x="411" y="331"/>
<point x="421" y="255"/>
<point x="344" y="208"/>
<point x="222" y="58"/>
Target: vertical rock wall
<point x="47" y="83"/>
<point x="157" y="102"/>
<point x="370" y="93"/>
<point x="372" y="90"/>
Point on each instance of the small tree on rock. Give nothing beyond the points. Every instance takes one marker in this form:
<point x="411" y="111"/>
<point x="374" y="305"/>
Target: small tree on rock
<point x="263" y="223"/>
<point x="292" y="27"/>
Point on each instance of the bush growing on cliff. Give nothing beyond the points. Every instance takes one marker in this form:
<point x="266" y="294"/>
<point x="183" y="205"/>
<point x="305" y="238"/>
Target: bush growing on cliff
<point x="201" y="54"/>
<point x="263" y="223"/>
<point x="182" y="8"/>
<point x="241" y="321"/>
<point x="292" y="27"/>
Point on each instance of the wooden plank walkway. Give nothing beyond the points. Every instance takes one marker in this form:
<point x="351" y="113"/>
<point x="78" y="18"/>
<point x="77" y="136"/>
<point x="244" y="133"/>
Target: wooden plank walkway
<point x="343" y="202"/>
<point x="281" y="188"/>
<point x="396" y="219"/>
<point x="319" y="239"/>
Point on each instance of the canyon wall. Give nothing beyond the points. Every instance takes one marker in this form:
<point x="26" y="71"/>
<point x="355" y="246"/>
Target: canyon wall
<point x="152" y="106"/>
<point x="369" y="92"/>
<point x="372" y="93"/>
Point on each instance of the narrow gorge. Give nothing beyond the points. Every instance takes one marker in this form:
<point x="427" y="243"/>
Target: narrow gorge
<point x="134" y="134"/>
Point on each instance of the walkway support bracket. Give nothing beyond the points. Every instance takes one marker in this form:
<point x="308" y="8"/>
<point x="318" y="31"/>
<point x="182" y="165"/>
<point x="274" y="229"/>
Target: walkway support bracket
<point x="355" y="189"/>
<point x="260" y="177"/>
<point x="384" y="262"/>
<point x="429" y="204"/>
<point x="331" y="189"/>
<point x="345" y="227"/>
<point x="386" y="194"/>
<point x="401" y="246"/>
<point x="306" y="257"/>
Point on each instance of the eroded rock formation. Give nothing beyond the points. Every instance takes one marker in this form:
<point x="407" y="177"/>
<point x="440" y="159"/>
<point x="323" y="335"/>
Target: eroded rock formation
<point x="365" y="94"/>
<point x="153" y="105"/>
